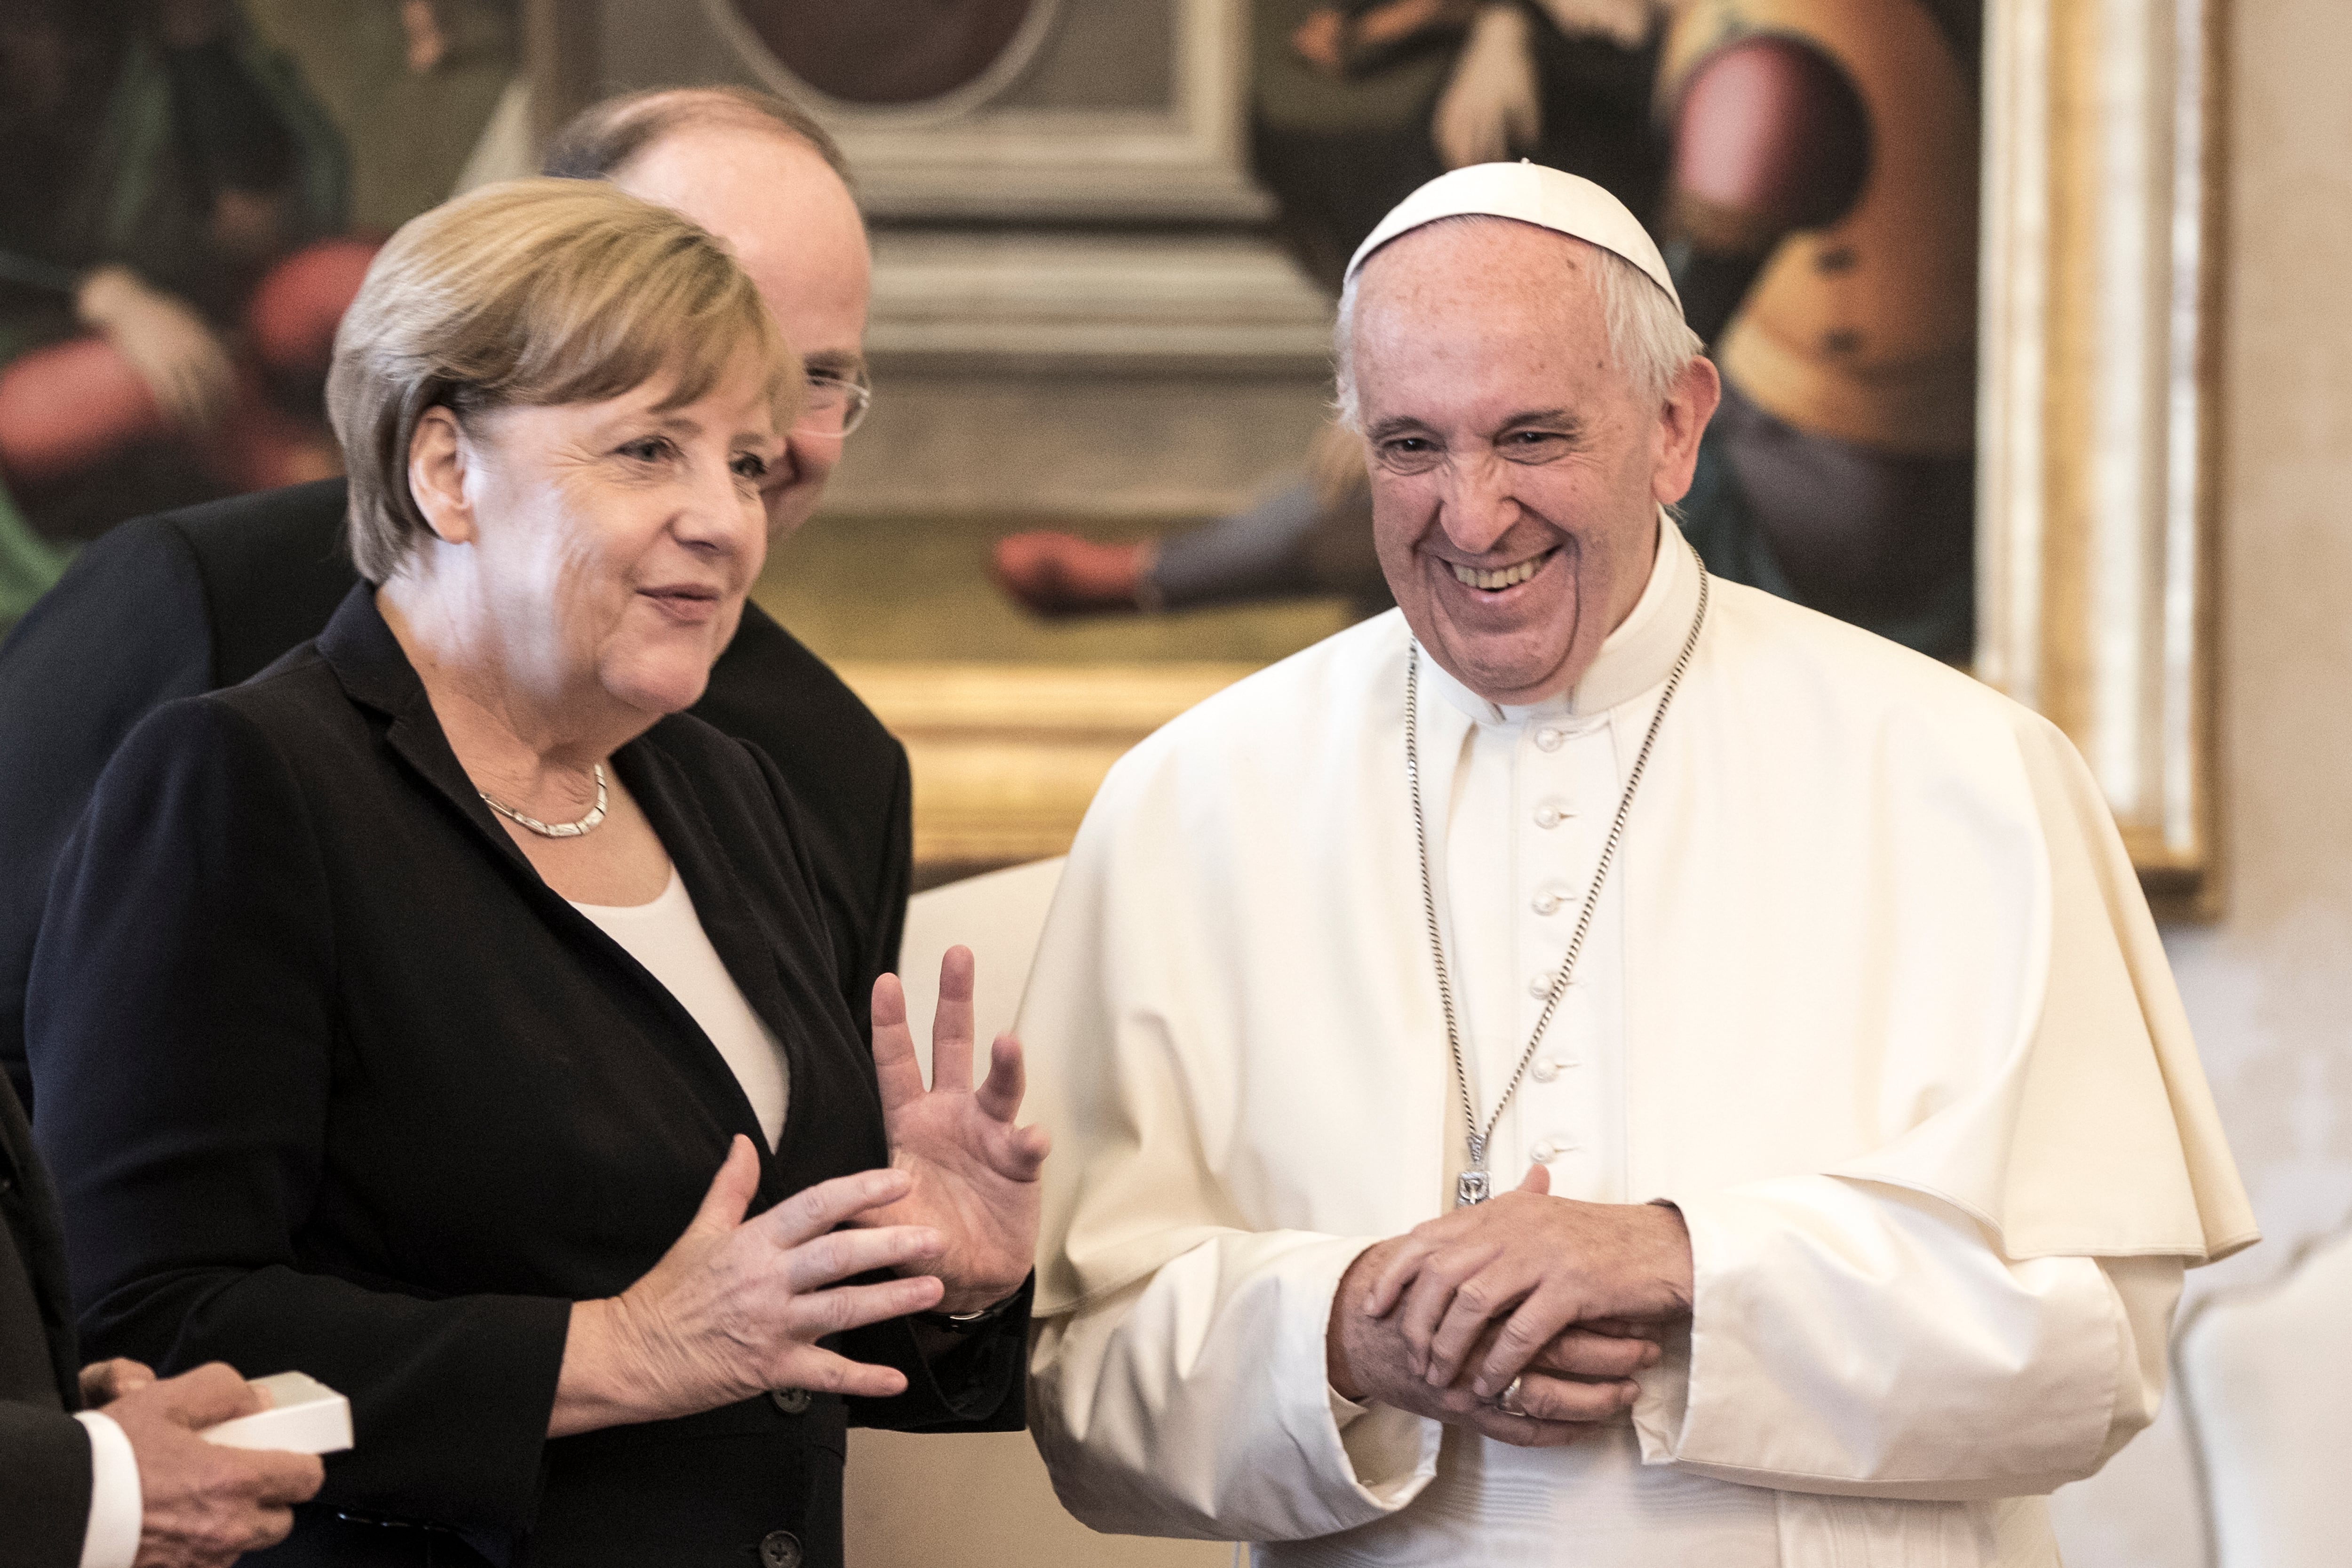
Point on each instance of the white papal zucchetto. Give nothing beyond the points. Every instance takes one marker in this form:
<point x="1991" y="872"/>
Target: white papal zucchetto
<point x="1530" y="192"/>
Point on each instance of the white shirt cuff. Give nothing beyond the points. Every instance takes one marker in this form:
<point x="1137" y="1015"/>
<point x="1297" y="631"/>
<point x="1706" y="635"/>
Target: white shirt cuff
<point x="116" y="1512"/>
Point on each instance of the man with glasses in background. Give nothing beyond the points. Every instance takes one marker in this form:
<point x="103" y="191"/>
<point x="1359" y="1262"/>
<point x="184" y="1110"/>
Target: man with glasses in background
<point x="168" y="607"/>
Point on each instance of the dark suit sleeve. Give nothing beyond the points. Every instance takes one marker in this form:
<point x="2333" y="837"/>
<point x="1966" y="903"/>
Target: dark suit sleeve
<point x="897" y="879"/>
<point x="847" y="777"/>
<point x="182" y="1020"/>
<point x="125" y="631"/>
<point x="815" y="867"/>
<point x="979" y="1384"/>
<point x="45" y="1480"/>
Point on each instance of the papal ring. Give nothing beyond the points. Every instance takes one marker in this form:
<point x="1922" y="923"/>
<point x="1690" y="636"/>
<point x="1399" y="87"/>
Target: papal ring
<point x="1507" y="1402"/>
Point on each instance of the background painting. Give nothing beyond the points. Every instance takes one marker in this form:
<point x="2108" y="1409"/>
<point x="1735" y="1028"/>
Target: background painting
<point x="192" y="194"/>
<point x="1814" y="165"/>
<point x="1811" y="167"/>
<point x="1106" y="235"/>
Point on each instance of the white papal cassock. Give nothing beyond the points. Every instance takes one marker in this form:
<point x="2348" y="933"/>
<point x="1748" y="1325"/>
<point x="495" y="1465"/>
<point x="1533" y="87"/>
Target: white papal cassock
<point x="1873" y="995"/>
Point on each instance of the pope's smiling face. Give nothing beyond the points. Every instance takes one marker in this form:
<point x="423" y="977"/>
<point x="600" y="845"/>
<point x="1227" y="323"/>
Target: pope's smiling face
<point x="1515" y="472"/>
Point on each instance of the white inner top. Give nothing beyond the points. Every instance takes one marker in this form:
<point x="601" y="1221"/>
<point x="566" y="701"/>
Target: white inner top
<point x="667" y="937"/>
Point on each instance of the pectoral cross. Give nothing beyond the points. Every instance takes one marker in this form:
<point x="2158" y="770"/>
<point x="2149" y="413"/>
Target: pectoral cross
<point x="1474" y="1186"/>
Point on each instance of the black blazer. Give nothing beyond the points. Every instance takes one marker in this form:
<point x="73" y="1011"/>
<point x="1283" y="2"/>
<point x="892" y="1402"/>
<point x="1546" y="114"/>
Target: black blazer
<point x="169" y="606"/>
<point x="331" y="1080"/>
<point x="45" y="1470"/>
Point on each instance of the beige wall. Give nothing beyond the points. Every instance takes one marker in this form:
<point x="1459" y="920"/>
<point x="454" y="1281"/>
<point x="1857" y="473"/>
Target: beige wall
<point x="2269" y="986"/>
<point x="981" y="1500"/>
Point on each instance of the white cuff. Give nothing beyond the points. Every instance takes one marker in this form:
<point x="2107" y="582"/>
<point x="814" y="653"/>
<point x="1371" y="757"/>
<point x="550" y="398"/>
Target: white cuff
<point x="116" y="1511"/>
<point x="1871" y="1341"/>
<point x="1345" y="1412"/>
<point x="1390" y="1454"/>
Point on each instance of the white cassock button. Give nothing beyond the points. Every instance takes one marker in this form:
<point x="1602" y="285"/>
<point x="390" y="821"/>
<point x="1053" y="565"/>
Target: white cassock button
<point x="1549" y="815"/>
<point x="1550" y="740"/>
<point x="1541" y="986"/>
<point x="1547" y="904"/>
<point x="1545" y="1070"/>
<point x="1545" y="1152"/>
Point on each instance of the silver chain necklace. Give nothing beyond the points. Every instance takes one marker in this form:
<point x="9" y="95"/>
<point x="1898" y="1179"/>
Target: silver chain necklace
<point x="553" y="829"/>
<point x="1474" y="1185"/>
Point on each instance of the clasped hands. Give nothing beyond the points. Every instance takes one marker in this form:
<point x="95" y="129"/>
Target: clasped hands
<point x="738" y="1306"/>
<point x="1567" y="1298"/>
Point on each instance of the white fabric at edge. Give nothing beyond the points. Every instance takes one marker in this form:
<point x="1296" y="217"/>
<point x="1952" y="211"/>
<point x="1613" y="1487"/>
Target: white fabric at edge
<point x="117" y="1511"/>
<point x="667" y="938"/>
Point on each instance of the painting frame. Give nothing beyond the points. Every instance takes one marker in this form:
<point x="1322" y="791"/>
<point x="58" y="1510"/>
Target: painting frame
<point x="2098" y="396"/>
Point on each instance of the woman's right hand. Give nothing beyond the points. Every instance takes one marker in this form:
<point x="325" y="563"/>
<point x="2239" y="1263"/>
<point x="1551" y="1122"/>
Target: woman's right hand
<point x="735" y="1308"/>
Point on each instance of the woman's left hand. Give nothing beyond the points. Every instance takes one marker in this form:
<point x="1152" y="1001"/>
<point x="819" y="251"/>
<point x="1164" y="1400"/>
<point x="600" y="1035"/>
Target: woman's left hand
<point x="975" y="1171"/>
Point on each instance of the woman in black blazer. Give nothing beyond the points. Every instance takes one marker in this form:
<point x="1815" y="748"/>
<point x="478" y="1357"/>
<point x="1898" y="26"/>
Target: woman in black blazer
<point x="340" y="1069"/>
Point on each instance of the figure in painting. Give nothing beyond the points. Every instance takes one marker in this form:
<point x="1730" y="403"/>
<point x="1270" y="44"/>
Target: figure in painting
<point x="414" y="87"/>
<point x="1824" y="214"/>
<point x="1814" y="164"/>
<point x="1455" y="82"/>
<point x="1353" y="106"/>
<point x="168" y="289"/>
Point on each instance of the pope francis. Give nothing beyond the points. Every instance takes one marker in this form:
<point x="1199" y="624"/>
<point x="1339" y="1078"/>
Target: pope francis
<point x="1805" y="979"/>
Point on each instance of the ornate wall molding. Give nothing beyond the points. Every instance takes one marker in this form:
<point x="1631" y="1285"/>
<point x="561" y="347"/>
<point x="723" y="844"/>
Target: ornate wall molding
<point x="1097" y="111"/>
<point x="1112" y="304"/>
<point x="1016" y="57"/>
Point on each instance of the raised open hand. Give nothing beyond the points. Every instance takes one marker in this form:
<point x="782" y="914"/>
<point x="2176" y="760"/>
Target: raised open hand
<point x="974" y="1170"/>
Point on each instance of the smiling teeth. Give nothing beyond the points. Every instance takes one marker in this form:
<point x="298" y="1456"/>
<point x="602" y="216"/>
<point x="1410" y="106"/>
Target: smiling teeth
<point x="1472" y="577"/>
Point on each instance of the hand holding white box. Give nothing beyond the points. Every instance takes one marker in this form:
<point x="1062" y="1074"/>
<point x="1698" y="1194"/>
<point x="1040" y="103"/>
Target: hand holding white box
<point x="305" y="1416"/>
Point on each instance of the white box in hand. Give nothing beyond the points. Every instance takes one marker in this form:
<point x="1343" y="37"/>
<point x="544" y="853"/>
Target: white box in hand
<point x="305" y="1416"/>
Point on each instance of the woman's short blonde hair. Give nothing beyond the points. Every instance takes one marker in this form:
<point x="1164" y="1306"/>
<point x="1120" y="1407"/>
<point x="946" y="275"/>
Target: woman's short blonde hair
<point x="531" y="292"/>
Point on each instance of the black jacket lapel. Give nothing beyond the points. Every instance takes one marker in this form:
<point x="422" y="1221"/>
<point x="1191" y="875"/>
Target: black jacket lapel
<point x="375" y="672"/>
<point x="820" y="1075"/>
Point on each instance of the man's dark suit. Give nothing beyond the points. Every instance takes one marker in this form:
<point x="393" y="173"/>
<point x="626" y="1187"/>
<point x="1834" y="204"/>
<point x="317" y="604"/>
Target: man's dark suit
<point x="192" y="601"/>
<point x="43" y="1453"/>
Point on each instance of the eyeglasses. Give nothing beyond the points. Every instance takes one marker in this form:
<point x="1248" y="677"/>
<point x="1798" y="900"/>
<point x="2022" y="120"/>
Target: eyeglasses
<point x="835" y="405"/>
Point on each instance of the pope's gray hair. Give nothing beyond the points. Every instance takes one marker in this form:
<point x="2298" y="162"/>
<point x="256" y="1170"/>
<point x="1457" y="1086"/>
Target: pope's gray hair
<point x="1648" y="339"/>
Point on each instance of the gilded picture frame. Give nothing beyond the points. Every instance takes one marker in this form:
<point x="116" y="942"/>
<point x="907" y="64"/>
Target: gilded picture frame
<point x="2097" y="401"/>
